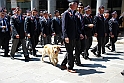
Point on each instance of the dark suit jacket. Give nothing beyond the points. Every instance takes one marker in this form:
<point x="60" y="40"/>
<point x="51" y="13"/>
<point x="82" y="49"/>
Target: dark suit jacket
<point x="99" y="26"/>
<point x="46" y="26"/>
<point x="56" y="25"/>
<point x="71" y="28"/>
<point x="114" y="27"/>
<point x="31" y="24"/>
<point x="18" y="26"/>
<point x="107" y="26"/>
<point x="6" y="33"/>
<point x="88" y="20"/>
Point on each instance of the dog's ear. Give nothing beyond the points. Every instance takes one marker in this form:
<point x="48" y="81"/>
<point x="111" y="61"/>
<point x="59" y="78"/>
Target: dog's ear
<point x="58" y="48"/>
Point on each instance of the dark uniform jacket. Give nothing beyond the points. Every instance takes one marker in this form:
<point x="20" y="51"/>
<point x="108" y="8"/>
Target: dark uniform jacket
<point x="7" y="31"/>
<point x="31" y="25"/>
<point x="17" y="24"/>
<point x="46" y="26"/>
<point x="114" y="26"/>
<point x="107" y="26"/>
<point x="88" y="20"/>
<point x="71" y="28"/>
<point x="99" y="26"/>
<point x="56" y="25"/>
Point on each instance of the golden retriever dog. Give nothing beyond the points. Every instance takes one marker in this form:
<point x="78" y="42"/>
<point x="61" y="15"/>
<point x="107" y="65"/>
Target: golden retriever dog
<point x="52" y="51"/>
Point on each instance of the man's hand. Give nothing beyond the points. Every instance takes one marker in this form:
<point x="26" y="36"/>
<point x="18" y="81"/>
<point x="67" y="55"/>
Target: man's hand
<point x="17" y="36"/>
<point x="112" y="36"/>
<point x="90" y="25"/>
<point x="119" y="34"/>
<point x="95" y="34"/>
<point x="81" y="36"/>
<point x="54" y="34"/>
<point x="67" y="40"/>
<point x="3" y="27"/>
<point x="29" y="36"/>
<point x="44" y="35"/>
<point x="105" y="34"/>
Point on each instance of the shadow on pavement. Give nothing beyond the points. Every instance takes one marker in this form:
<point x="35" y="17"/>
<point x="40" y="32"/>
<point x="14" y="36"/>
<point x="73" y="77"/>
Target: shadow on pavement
<point x="87" y="72"/>
<point x="94" y="65"/>
<point x="31" y="59"/>
<point x="99" y="59"/>
<point x="113" y="54"/>
<point x="113" y="58"/>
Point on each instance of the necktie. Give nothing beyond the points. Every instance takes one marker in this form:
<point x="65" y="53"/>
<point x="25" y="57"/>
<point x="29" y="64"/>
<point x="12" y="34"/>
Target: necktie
<point x="4" y="23"/>
<point x="35" y="21"/>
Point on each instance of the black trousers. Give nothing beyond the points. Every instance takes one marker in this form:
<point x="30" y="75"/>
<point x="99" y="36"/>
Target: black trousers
<point x="57" y="38"/>
<point x="47" y="40"/>
<point x="88" y="43"/>
<point x="112" y="41"/>
<point x="77" y="51"/>
<point x="4" y="41"/>
<point x="33" y="41"/>
<point x="14" y="46"/>
<point x="100" y="45"/>
<point x="69" y="57"/>
<point x="82" y="45"/>
<point x="106" y="40"/>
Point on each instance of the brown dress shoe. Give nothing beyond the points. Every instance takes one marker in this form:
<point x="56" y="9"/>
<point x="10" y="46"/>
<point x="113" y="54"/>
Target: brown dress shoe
<point x="63" y="67"/>
<point x="71" y="70"/>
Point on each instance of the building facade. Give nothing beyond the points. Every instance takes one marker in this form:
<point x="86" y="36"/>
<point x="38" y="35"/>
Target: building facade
<point x="62" y="5"/>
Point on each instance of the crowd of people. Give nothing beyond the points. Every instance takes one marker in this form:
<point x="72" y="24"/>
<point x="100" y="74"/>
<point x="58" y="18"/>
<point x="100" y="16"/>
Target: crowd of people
<point x="74" y="28"/>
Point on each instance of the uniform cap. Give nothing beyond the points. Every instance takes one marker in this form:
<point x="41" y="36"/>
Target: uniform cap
<point x="114" y="12"/>
<point x="56" y="11"/>
<point x="87" y="8"/>
<point x="106" y="11"/>
<point x="80" y="4"/>
<point x="101" y="7"/>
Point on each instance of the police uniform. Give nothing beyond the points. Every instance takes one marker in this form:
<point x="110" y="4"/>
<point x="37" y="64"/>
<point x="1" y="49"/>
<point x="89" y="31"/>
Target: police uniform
<point x="87" y="19"/>
<point x="57" y="28"/>
<point x="4" y="33"/>
<point x="31" y="24"/>
<point x="71" y="31"/>
<point x="114" y="30"/>
<point x="17" y="24"/>
<point x="46" y="29"/>
<point x="99" y="29"/>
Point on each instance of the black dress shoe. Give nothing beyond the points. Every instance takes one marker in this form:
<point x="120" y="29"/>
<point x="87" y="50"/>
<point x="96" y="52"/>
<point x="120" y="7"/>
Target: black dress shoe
<point x="94" y="52"/>
<point x="87" y="58"/>
<point x="108" y="47"/>
<point x="122" y="73"/>
<point x="98" y="55"/>
<point x="103" y="52"/>
<point x="27" y="59"/>
<point x="12" y="57"/>
<point x="35" y="55"/>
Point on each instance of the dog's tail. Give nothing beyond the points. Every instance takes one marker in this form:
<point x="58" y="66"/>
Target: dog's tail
<point x="40" y="51"/>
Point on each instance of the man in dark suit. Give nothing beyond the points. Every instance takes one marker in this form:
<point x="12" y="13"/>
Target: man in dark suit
<point x="18" y="34"/>
<point x="4" y="32"/>
<point x="71" y="33"/>
<point x="99" y="31"/>
<point x="106" y="19"/>
<point x="46" y="28"/>
<point x="80" y="43"/>
<point x="57" y="27"/>
<point x="31" y="24"/>
<point x="114" y="30"/>
<point x="88" y="28"/>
